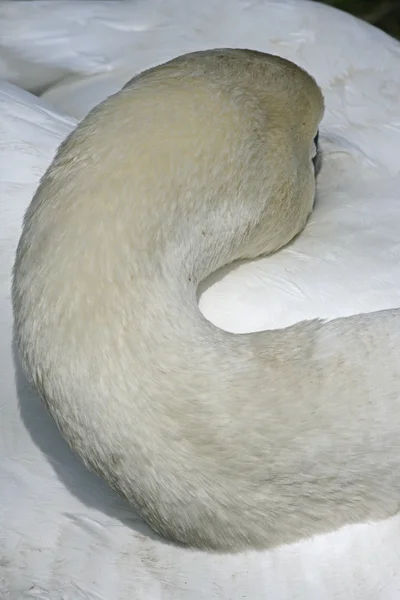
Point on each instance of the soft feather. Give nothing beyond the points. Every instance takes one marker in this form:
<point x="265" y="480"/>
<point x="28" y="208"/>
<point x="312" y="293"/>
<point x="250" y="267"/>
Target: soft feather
<point x="61" y="531"/>
<point x="220" y="441"/>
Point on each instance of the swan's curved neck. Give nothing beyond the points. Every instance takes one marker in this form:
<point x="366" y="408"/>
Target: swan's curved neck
<point x="221" y="440"/>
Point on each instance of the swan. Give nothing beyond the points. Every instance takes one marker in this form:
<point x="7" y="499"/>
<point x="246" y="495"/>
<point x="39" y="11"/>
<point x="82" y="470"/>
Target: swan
<point x="222" y="442"/>
<point x="61" y="531"/>
<point x="64" y="533"/>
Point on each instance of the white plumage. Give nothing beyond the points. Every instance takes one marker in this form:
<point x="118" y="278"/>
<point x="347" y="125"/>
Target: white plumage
<point x="63" y="534"/>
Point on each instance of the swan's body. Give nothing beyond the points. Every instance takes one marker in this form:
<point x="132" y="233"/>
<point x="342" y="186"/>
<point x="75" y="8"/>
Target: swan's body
<point x="221" y="441"/>
<point x="63" y="533"/>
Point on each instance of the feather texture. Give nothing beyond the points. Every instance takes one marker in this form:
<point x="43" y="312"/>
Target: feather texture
<point x="63" y="533"/>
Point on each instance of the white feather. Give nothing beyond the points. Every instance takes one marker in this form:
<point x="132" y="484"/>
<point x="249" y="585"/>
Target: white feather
<point x="63" y="533"/>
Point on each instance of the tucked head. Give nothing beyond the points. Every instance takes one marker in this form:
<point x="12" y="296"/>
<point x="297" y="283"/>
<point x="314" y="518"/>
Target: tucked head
<point x="255" y="114"/>
<point x="220" y="141"/>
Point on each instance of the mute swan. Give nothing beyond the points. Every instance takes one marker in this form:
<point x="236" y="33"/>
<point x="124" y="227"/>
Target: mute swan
<point x="214" y="160"/>
<point x="62" y="532"/>
<point x="221" y="441"/>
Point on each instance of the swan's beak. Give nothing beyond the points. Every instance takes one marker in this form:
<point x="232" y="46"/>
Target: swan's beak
<point x="317" y="160"/>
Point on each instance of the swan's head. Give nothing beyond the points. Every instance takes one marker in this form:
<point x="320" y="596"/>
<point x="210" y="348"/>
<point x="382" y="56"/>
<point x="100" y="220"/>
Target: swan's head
<point x="254" y="122"/>
<point x="212" y="153"/>
<point x="255" y="116"/>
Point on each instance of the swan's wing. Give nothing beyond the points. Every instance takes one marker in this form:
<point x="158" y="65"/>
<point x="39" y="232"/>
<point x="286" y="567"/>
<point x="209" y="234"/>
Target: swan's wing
<point x="63" y="533"/>
<point x="42" y="41"/>
<point x="153" y="32"/>
<point x="45" y="41"/>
